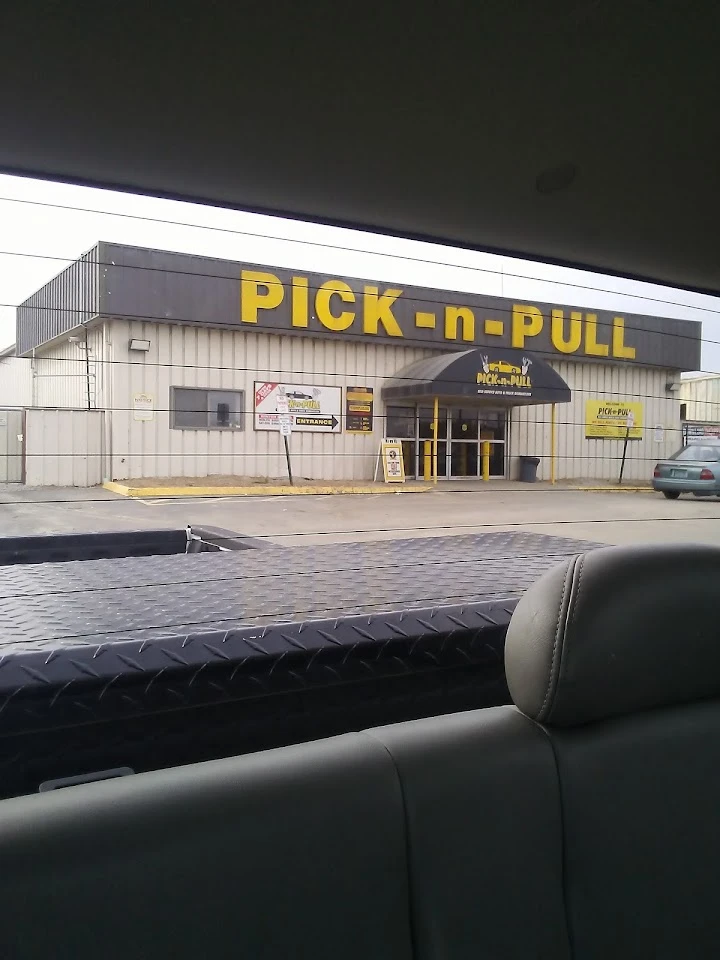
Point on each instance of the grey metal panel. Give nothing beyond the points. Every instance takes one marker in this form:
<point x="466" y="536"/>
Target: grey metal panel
<point x="11" y="446"/>
<point x="158" y="285"/>
<point x="66" y="301"/>
<point x="141" y="284"/>
<point x="63" y="447"/>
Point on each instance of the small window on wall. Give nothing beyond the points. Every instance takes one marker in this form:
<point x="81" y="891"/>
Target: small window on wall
<point x="193" y="409"/>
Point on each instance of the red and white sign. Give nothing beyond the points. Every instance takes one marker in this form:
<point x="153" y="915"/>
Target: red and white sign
<point x="262" y="391"/>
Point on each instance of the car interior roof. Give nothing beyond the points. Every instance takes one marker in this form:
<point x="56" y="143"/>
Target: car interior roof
<point x="576" y="132"/>
<point x="579" y="132"/>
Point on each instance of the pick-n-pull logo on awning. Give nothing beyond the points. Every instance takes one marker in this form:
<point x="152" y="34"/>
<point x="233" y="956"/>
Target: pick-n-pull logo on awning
<point x="510" y="377"/>
<point x="501" y="377"/>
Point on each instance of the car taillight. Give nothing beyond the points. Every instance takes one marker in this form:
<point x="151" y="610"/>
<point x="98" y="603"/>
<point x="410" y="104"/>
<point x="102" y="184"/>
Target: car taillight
<point x="656" y="472"/>
<point x="706" y="474"/>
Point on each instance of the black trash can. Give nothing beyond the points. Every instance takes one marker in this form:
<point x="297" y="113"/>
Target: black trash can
<point x="528" y="469"/>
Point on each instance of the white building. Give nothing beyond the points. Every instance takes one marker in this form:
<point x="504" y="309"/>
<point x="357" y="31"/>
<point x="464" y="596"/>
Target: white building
<point x="15" y="380"/>
<point x="699" y="397"/>
<point x="174" y="363"/>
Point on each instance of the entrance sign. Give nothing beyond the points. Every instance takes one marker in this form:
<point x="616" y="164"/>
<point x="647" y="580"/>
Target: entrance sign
<point x="392" y="461"/>
<point x="311" y="408"/>
<point x="613" y="419"/>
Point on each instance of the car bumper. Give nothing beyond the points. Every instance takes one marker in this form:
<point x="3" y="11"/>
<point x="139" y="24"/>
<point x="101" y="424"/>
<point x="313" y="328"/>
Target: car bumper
<point x="701" y="488"/>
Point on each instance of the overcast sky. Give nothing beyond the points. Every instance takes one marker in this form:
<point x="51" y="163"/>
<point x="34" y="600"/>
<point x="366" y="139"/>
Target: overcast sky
<point x="44" y="226"/>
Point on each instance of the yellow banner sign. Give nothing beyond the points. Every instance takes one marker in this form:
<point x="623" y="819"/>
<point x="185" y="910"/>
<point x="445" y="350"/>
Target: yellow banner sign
<point x="611" y="418"/>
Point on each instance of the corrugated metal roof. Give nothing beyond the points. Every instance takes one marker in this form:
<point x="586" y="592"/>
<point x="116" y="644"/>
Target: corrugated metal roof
<point x="68" y="300"/>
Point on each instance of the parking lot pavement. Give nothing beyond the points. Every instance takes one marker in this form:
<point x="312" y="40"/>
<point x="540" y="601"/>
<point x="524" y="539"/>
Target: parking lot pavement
<point x="603" y="517"/>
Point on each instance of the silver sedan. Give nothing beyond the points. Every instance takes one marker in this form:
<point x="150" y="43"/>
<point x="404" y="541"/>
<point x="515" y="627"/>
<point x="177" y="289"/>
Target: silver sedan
<point x="694" y="469"/>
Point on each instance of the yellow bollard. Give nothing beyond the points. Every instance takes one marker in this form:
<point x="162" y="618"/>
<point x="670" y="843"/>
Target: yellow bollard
<point x="427" y="460"/>
<point x="436" y="411"/>
<point x="486" y="459"/>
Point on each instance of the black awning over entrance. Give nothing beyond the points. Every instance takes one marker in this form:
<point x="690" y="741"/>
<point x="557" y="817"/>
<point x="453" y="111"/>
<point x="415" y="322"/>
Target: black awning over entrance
<point x="503" y="376"/>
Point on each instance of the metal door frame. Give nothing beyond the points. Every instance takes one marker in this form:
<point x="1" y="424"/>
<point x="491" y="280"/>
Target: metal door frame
<point x="18" y="453"/>
<point x="448" y="441"/>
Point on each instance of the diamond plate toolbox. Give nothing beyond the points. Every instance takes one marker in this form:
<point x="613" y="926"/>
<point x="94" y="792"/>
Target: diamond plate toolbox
<point x="91" y="639"/>
<point x="149" y="661"/>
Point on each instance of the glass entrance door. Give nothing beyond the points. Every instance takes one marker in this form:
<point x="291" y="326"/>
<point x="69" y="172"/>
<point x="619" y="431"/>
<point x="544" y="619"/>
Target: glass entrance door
<point x="468" y="428"/>
<point x="425" y="432"/>
<point x="460" y="433"/>
<point x="401" y="424"/>
<point x="492" y="427"/>
<point x="464" y="447"/>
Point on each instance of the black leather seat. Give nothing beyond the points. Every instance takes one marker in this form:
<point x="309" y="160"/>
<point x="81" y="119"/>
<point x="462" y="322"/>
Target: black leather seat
<point x="617" y="655"/>
<point x="298" y="852"/>
<point x="580" y="824"/>
<point x="584" y="822"/>
<point x="485" y="852"/>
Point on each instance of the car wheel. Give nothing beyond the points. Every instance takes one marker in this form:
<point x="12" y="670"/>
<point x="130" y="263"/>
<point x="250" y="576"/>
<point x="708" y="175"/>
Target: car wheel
<point x="671" y="494"/>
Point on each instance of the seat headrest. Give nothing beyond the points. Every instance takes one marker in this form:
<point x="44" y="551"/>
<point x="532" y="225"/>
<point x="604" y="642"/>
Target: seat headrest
<point x="615" y="631"/>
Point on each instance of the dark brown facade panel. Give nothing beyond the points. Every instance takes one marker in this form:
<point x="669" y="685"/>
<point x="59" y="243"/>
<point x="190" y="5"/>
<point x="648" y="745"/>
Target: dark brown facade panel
<point x="171" y="287"/>
<point x="69" y="299"/>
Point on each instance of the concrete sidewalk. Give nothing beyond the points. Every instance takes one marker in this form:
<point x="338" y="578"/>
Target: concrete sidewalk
<point x="150" y="489"/>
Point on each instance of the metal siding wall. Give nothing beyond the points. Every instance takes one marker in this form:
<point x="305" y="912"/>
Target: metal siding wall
<point x="582" y="459"/>
<point x="63" y="448"/>
<point x="11" y="446"/>
<point x="702" y="397"/>
<point x="227" y="359"/>
<point x="99" y="353"/>
<point x="15" y="382"/>
<point x="60" y="374"/>
<point x="64" y="302"/>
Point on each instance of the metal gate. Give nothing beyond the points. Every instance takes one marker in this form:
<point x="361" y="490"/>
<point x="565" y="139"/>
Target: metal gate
<point x="11" y="446"/>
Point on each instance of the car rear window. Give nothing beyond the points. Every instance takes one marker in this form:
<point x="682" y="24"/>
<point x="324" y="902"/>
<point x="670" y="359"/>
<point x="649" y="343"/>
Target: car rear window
<point x="697" y="452"/>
